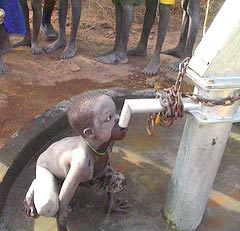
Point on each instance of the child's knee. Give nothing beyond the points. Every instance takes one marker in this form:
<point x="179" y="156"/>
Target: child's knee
<point x="116" y="182"/>
<point x="48" y="208"/>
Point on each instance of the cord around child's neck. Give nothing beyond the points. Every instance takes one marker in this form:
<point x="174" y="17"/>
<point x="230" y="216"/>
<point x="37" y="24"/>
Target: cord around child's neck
<point x="94" y="150"/>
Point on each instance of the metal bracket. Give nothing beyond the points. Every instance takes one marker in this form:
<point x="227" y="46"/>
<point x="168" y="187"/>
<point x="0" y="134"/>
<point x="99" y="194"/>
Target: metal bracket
<point x="203" y="118"/>
<point x="225" y="82"/>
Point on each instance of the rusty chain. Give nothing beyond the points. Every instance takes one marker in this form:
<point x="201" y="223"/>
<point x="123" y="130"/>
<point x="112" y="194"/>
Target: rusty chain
<point x="171" y="100"/>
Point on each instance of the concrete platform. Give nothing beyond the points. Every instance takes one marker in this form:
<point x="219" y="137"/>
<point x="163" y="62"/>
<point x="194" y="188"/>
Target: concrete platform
<point x="147" y="163"/>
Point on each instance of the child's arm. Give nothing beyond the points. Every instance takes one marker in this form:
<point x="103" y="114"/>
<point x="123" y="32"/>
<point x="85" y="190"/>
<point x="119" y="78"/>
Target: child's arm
<point x="78" y="172"/>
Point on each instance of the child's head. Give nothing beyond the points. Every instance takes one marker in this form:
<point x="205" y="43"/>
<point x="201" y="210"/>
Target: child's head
<point x="94" y="116"/>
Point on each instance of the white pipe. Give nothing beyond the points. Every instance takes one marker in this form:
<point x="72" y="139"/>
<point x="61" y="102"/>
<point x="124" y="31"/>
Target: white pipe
<point x="132" y="106"/>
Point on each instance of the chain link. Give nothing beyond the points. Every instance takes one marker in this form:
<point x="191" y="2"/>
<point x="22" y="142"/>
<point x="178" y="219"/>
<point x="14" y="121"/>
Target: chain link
<point x="212" y="103"/>
<point x="171" y="100"/>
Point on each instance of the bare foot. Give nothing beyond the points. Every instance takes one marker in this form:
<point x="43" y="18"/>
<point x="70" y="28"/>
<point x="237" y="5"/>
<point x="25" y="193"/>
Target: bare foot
<point x="176" y="52"/>
<point x="137" y="51"/>
<point x="29" y="208"/>
<point x="36" y="48"/>
<point x="69" y="51"/>
<point x="6" y="46"/>
<point x="49" y="32"/>
<point x="3" y="68"/>
<point x="173" y="66"/>
<point x="153" y="66"/>
<point x="25" y="42"/>
<point x="114" y="58"/>
<point x="102" y="53"/>
<point x="55" y="45"/>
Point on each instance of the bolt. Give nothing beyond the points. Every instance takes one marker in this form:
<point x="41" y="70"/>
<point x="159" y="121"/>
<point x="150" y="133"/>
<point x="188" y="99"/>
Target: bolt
<point x="203" y="117"/>
<point x="209" y="80"/>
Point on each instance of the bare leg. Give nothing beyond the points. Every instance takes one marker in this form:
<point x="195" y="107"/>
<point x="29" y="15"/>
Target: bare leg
<point x="194" y="23"/>
<point x="37" y="17"/>
<point x="48" y="30"/>
<point x="118" y="22"/>
<point x="193" y="10"/>
<point x="27" y="38"/>
<point x="71" y="47"/>
<point x="154" y="64"/>
<point x="149" y="18"/>
<point x="179" y="49"/>
<point x="3" y="35"/>
<point x="120" y="55"/>
<point x="62" y="15"/>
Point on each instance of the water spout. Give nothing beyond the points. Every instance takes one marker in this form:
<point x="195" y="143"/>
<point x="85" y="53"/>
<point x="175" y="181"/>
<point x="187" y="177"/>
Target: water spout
<point x="132" y="106"/>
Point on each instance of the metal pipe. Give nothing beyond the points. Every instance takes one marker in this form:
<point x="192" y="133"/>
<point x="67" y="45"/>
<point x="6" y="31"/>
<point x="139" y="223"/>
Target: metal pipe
<point x="197" y="163"/>
<point x="132" y="106"/>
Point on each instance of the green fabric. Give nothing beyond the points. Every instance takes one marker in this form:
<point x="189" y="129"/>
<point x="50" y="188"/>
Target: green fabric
<point x="131" y="2"/>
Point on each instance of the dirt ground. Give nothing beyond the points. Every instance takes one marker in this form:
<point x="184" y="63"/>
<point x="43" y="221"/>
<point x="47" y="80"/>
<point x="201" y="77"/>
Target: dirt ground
<point x="37" y="82"/>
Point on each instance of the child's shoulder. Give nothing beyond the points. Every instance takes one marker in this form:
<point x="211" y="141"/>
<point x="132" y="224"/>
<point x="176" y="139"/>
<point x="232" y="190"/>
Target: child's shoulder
<point x="66" y="144"/>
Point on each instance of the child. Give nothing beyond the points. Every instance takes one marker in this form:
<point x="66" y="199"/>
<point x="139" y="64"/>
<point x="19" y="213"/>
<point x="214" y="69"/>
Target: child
<point x="124" y="13"/>
<point x="70" y="47"/>
<point x="49" y="32"/>
<point x="79" y="159"/>
<point x="11" y="22"/>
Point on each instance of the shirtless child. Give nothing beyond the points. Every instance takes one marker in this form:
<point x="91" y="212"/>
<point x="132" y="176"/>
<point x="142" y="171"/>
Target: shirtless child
<point x="79" y="159"/>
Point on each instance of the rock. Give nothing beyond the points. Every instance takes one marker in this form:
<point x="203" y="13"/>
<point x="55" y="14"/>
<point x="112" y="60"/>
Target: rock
<point x="75" y="68"/>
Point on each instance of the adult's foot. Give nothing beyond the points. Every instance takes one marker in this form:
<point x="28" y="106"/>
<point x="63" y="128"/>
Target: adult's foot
<point x="25" y="42"/>
<point x="176" y="52"/>
<point x="55" y="45"/>
<point x="137" y="51"/>
<point x="173" y="66"/>
<point x="69" y="51"/>
<point x="114" y="58"/>
<point x="36" y="48"/>
<point x="3" y="68"/>
<point x="153" y="66"/>
<point x="102" y="53"/>
<point x="49" y="32"/>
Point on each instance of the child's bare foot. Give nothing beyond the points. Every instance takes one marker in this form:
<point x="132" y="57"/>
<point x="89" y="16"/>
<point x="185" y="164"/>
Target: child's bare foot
<point x="36" y="48"/>
<point x="102" y="53"/>
<point x="69" y="51"/>
<point x="55" y="45"/>
<point x="25" y="42"/>
<point x="114" y="58"/>
<point x="49" y="32"/>
<point x="153" y="66"/>
<point x="173" y="66"/>
<point x="29" y="208"/>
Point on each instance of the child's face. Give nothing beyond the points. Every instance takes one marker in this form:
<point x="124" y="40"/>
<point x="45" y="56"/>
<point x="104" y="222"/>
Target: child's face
<point x="106" y="120"/>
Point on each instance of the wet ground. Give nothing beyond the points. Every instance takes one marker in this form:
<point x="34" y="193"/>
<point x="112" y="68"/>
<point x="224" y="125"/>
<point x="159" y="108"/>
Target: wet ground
<point x="147" y="163"/>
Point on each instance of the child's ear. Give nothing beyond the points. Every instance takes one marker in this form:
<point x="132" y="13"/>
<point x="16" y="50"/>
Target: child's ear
<point x="89" y="133"/>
